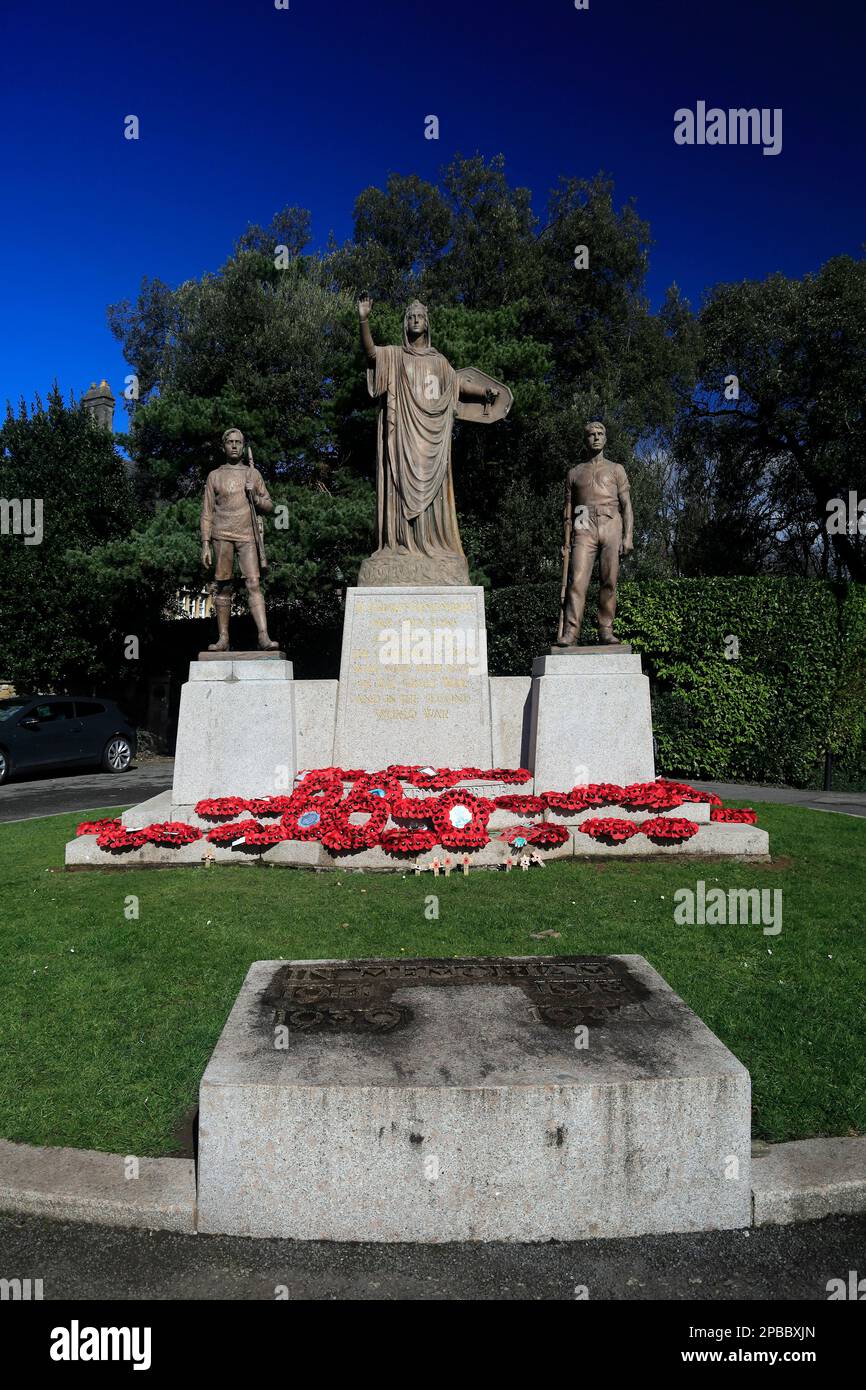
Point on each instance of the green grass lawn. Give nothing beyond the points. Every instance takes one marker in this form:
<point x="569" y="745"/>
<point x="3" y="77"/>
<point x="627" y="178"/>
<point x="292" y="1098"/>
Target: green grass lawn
<point x="106" y="1024"/>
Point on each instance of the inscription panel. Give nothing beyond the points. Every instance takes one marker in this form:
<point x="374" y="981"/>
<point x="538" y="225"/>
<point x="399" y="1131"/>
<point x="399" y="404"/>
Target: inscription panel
<point x="413" y="679"/>
<point x="358" y="996"/>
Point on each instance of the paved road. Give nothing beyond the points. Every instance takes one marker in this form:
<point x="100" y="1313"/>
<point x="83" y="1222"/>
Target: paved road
<point x="845" y="803"/>
<point x="83" y="791"/>
<point x="98" y="1262"/>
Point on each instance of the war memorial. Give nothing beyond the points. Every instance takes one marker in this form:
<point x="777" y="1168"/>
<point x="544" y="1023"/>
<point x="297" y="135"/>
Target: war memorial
<point x="515" y="1098"/>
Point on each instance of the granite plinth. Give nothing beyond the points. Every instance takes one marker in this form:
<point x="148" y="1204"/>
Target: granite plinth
<point x="413" y="679"/>
<point x="520" y="1099"/>
<point x="236" y="729"/>
<point x="511" y="715"/>
<point x="591" y="720"/>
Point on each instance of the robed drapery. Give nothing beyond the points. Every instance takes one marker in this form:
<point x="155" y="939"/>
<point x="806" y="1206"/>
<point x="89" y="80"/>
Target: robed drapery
<point x="418" y="391"/>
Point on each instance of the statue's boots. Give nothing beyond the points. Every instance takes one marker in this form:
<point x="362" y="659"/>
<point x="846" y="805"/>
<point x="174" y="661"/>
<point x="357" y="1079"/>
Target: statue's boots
<point x="257" y="608"/>
<point x="606" y="637"/>
<point x="223" y="606"/>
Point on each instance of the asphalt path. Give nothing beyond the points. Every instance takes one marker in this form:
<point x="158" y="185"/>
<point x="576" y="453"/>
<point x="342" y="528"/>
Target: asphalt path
<point x="843" y="803"/>
<point x="770" y="1263"/>
<point x="85" y="791"/>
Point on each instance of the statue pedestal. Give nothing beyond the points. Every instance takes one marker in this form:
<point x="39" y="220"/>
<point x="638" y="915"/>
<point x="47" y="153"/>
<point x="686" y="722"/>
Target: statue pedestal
<point x="236" y="729"/>
<point x="391" y="569"/>
<point x="590" y="719"/>
<point x="413" y="678"/>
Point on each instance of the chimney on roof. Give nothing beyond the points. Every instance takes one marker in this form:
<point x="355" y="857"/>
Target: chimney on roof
<point x="99" y="403"/>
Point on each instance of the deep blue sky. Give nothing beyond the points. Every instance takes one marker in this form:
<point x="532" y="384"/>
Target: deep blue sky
<point x="245" y="108"/>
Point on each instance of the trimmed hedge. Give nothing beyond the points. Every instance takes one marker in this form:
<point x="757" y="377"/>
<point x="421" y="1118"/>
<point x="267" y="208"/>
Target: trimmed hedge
<point x="751" y="678"/>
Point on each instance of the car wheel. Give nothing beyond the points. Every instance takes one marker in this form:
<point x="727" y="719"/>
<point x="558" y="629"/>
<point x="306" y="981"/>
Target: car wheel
<point x="4" y="766"/>
<point x="117" y="755"/>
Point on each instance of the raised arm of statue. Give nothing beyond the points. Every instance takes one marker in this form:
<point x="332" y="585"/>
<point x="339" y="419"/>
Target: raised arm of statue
<point x="365" y="304"/>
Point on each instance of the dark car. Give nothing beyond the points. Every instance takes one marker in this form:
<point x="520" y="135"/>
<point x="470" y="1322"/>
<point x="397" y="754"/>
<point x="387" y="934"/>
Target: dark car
<point x="53" y="731"/>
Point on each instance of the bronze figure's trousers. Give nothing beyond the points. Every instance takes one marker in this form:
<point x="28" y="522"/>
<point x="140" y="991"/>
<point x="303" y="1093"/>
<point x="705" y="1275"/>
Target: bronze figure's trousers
<point x="600" y="535"/>
<point x="248" y="559"/>
<point x="224" y="554"/>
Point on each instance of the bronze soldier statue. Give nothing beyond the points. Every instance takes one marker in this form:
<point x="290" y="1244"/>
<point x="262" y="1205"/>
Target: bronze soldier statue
<point x="598" y="520"/>
<point x="234" y="494"/>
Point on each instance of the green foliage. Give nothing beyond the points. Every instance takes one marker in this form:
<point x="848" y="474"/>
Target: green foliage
<point x="314" y="540"/>
<point x="793" y="687"/>
<point x="254" y="346"/>
<point x="760" y="470"/>
<point x="762" y="712"/>
<point x="56" y="629"/>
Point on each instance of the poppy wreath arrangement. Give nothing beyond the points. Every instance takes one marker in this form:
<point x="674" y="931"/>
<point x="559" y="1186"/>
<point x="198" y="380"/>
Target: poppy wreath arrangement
<point x="443" y="778"/>
<point x="548" y="835"/>
<point x="234" y="830"/>
<point x="517" y="835"/>
<point x="260" y="806"/>
<point x="610" y="829"/>
<point x="116" y="836"/>
<point x="412" y="807"/>
<point x="453" y="816"/>
<point x="565" y="803"/>
<point x="266" y="835"/>
<point x="522" y="805"/>
<point x="690" y="793"/>
<point x="407" y="841"/>
<point x="172" y="832"/>
<point x="97" y="827"/>
<point x="650" y="796"/>
<point x="119" y="837"/>
<point x="615" y="831"/>
<point x="661" y="795"/>
<point x="221" y="807"/>
<point x="670" y="830"/>
<point x="307" y="819"/>
<point x="342" y="835"/>
<point x="590" y="796"/>
<point x="460" y="820"/>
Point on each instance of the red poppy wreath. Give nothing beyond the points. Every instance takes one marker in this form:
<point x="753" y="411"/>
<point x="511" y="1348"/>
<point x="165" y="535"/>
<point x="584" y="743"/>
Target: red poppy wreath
<point x="668" y="829"/>
<point x="342" y="835"/>
<point x="609" y="829"/>
<point x="460" y="820"/>
<point x="732" y="815"/>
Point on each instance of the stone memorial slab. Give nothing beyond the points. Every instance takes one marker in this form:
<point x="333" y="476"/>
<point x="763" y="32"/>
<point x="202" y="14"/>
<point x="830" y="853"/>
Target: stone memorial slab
<point x="413" y="679"/>
<point x="516" y="1098"/>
